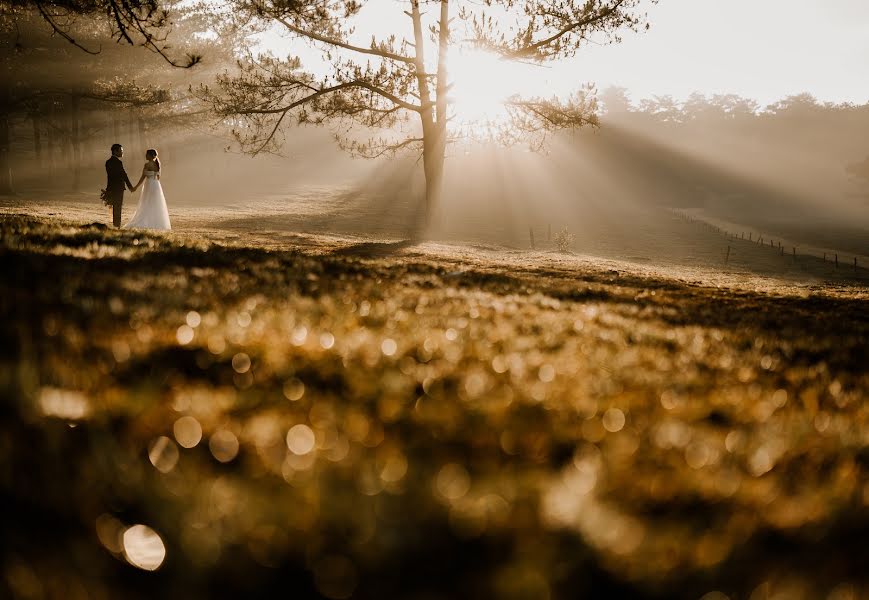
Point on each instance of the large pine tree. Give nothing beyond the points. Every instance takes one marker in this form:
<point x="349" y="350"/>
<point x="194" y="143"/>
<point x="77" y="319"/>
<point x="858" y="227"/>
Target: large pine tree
<point x="406" y="78"/>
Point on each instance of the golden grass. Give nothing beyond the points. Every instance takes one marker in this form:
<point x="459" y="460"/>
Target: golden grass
<point x="393" y="420"/>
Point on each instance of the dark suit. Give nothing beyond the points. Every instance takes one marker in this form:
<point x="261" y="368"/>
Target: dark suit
<point x="117" y="183"/>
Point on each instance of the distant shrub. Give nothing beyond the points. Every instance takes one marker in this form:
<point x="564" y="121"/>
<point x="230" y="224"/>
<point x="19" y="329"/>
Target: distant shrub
<point x="563" y="240"/>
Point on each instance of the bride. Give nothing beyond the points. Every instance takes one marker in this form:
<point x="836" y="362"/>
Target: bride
<point x="151" y="213"/>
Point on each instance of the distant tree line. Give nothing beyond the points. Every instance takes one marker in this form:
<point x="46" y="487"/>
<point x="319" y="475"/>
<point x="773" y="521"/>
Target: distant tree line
<point x="815" y="138"/>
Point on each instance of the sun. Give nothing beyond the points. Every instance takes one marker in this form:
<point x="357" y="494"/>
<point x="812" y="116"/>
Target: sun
<point x="482" y="82"/>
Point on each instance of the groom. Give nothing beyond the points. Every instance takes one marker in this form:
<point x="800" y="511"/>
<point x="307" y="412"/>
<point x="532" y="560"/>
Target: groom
<point x="117" y="180"/>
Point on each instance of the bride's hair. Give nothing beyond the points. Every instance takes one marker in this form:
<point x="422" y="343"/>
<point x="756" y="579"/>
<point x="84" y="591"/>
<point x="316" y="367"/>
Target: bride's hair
<point x="152" y="154"/>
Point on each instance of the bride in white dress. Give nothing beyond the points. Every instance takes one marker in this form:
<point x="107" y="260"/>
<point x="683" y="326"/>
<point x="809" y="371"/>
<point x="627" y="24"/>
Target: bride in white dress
<point x="151" y="213"/>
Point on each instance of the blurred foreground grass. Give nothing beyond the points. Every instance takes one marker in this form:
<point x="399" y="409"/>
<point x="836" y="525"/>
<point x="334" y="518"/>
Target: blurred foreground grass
<point x="373" y="423"/>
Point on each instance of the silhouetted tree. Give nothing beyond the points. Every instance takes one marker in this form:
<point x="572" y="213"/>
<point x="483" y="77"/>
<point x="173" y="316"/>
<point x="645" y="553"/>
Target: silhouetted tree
<point x="860" y="172"/>
<point x="663" y="108"/>
<point x="394" y="79"/>
<point x="799" y="105"/>
<point x="145" y="23"/>
<point x="615" y="100"/>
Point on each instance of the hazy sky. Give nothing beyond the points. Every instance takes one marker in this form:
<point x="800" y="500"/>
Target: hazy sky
<point x="762" y="49"/>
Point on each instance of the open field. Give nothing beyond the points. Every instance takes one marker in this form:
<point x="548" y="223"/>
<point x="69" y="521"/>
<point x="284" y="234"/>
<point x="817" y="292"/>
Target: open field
<point x="621" y="236"/>
<point x="312" y="414"/>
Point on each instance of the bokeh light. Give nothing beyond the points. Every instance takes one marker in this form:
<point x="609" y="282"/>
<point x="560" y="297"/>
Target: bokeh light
<point x="63" y="404"/>
<point x="452" y="481"/>
<point x="163" y="454"/>
<point x="300" y="439"/>
<point x="613" y="420"/>
<point x="241" y="363"/>
<point x="223" y="445"/>
<point x="193" y="319"/>
<point x="327" y="340"/>
<point x="185" y="334"/>
<point x="388" y="347"/>
<point x="143" y="547"/>
<point x="294" y="389"/>
<point x="110" y="532"/>
<point x="188" y="432"/>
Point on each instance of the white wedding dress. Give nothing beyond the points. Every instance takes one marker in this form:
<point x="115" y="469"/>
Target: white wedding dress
<point x="151" y="213"/>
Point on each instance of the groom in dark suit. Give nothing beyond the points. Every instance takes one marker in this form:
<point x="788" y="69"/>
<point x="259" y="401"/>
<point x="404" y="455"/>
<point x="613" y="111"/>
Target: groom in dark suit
<point x="117" y="180"/>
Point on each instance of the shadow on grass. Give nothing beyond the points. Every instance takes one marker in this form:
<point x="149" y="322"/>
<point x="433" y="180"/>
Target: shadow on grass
<point x="375" y="249"/>
<point x="30" y="249"/>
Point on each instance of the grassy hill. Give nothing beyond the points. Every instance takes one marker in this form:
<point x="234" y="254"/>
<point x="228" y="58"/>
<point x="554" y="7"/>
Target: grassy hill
<point x="387" y="420"/>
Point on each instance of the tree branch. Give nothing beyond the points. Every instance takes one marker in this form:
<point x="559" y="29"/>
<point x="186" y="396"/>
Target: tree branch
<point x="54" y="26"/>
<point x="346" y="46"/>
<point x="395" y="147"/>
<point x="271" y="134"/>
<point x="532" y="48"/>
<point x="335" y="88"/>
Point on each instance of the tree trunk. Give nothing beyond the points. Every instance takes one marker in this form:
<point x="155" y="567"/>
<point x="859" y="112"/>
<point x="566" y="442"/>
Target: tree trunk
<point x="434" y="151"/>
<point x="141" y="123"/>
<point x="5" y="153"/>
<point x="75" y="136"/>
<point x="50" y="141"/>
<point x="432" y="165"/>
<point x="37" y="138"/>
<point x="109" y="133"/>
<point x="435" y="135"/>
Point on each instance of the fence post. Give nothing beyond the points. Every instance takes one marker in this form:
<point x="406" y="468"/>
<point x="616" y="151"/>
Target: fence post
<point x="531" y="235"/>
<point x="836" y="258"/>
<point x="727" y="258"/>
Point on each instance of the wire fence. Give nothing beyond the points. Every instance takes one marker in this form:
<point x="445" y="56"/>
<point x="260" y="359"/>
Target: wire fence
<point x="844" y="262"/>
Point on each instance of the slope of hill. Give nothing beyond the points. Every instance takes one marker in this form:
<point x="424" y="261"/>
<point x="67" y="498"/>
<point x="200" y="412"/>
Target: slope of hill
<point x="257" y="411"/>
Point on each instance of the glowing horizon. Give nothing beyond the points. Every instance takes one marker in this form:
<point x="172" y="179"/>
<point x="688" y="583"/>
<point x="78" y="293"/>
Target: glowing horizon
<point x="785" y="47"/>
